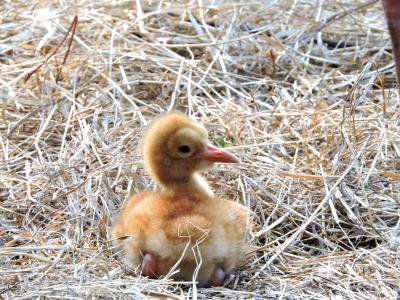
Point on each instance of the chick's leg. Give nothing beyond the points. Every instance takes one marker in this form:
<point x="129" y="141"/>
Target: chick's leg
<point x="218" y="277"/>
<point x="149" y="265"/>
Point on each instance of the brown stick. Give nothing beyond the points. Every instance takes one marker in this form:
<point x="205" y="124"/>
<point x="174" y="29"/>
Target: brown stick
<point x="71" y="30"/>
<point x="392" y="12"/>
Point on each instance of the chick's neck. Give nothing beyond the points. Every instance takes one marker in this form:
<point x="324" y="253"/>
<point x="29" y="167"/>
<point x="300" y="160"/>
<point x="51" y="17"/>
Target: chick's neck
<point x="195" y="181"/>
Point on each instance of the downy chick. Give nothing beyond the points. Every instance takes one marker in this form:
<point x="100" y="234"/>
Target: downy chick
<point x="184" y="225"/>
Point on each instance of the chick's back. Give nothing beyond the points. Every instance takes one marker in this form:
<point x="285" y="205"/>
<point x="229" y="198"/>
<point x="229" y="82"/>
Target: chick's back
<point x="182" y="224"/>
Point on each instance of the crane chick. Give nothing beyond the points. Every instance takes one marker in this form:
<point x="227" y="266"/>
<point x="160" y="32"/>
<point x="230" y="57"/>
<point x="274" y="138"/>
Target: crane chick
<point x="184" y="226"/>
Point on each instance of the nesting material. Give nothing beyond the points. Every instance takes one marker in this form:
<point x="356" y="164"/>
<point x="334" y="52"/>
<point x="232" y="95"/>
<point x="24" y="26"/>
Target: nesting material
<point x="302" y="91"/>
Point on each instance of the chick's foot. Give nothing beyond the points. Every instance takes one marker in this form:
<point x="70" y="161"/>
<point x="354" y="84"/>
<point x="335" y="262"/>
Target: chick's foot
<point x="218" y="277"/>
<point x="149" y="265"/>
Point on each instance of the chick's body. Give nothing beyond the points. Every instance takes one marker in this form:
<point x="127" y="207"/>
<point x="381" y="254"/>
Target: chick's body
<point x="184" y="225"/>
<point x="171" y="225"/>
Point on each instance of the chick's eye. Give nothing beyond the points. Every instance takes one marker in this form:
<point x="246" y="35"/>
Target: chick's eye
<point x="185" y="149"/>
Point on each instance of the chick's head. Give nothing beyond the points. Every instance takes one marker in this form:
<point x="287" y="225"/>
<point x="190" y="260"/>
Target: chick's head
<point x="175" y="147"/>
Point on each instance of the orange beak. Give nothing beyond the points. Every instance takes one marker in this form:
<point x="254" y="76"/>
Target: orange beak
<point x="214" y="154"/>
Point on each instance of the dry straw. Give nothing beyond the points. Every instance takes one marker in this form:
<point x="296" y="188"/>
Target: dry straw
<point x="302" y="91"/>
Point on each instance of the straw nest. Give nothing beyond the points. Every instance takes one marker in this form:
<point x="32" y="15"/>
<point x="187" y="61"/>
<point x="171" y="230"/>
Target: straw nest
<point x="302" y="91"/>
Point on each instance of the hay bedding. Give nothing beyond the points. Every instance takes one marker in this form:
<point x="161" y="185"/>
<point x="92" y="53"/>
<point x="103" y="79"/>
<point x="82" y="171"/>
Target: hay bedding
<point x="303" y="91"/>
